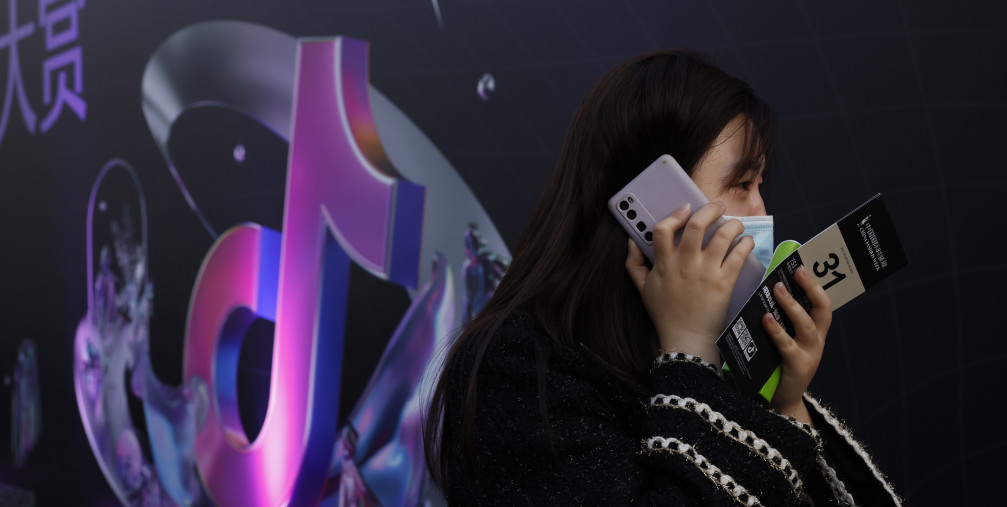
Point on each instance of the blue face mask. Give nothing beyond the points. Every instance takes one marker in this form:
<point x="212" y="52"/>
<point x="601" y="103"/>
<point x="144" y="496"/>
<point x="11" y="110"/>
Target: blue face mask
<point x="760" y="228"/>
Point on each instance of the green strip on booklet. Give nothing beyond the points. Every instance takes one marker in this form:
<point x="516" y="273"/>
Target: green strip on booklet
<point x="784" y="249"/>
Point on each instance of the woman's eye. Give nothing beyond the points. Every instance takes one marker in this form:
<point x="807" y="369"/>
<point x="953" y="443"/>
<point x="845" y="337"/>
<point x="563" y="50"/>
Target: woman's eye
<point x="745" y="185"/>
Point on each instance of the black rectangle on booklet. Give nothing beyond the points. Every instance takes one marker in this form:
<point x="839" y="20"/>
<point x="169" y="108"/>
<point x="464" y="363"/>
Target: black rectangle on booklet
<point x="873" y="242"/>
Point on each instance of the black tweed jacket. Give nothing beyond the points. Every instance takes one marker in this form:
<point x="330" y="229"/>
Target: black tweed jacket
<point x="692" y="441"/>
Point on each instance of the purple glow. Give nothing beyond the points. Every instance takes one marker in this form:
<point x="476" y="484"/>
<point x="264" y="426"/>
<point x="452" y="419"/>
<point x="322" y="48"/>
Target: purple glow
<point x="174" y="415"/>
<point x="331" y="186"/>
<point x="118" y="309"/>
<point x="64" y="66"/>
<point x="26" y="408"/>
<point x="353" y="489"/>
<point x="130" y="461"/>
<point x="388" y="445"/>
<point x="297" y="279"/>
<point x="66" y="15"/>
<point x="112" y="340"/>
<point x="62" y="28"/>
<point x="15" y="84"/>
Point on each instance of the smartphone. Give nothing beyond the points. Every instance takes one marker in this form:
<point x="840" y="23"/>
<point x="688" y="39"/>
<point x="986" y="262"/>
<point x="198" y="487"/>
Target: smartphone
<point x="656" y="193"/>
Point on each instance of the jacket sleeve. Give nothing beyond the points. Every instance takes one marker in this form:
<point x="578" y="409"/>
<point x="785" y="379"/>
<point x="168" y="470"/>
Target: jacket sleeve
<point x="845" y="461"/>
<point x="821" y="466"/>
<point x="748" y="453"/>
<point x="693" y="443"/>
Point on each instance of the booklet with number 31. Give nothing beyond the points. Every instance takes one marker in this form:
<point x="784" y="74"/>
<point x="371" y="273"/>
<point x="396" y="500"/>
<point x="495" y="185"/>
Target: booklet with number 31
<point x="846" y="259"/>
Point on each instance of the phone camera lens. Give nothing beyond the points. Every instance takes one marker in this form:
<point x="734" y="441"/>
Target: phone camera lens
<point x="640" y="226"/>
<point x="631" y="214"/>
<point x="624" y="205"/>
<point x="649" y="236"/>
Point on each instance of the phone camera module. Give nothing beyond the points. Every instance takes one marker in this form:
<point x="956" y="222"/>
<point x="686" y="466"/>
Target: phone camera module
<point x="624" y="205"/>
<point x="640" y="226"/>
<point x="631" y="214"/>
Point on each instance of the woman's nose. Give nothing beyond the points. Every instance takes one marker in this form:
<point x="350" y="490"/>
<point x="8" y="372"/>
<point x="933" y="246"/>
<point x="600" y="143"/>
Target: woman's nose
<point x="757" y="207"/>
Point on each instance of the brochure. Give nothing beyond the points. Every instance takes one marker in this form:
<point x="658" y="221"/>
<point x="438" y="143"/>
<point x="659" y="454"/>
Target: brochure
<point x="849" y="257"/>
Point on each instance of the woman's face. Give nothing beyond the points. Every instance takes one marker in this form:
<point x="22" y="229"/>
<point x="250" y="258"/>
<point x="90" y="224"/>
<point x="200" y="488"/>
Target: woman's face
<point x="714" y="172"/>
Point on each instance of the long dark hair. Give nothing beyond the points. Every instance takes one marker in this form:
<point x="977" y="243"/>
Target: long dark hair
<point x="568" y="272"/>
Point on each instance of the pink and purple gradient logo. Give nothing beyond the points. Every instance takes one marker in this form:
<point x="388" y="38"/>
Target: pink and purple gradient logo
<point x="346" y="203"/>
<point x="340" y="207"/>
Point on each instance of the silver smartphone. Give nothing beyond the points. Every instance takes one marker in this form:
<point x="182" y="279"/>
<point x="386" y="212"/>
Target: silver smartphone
<point x="656" y="193"/>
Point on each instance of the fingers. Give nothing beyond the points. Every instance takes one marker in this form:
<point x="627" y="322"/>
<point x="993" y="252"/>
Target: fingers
<point x="692" y="238"/>
<point x="804" y="325"/>
<point x="801" y="354"/>
<point x="736" y="258"/>
<point x="636" y="267"/>
<point x="724" y="237"/>
<point x="784" y="343"/>
<point x="799" y="366"/>
<point x="821" y="303"/>
<point x="664" y="231"/>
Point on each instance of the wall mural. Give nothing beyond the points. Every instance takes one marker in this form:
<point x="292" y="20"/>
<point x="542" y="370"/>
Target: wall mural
<point x="62" y="68"/>
<point x="363" y="186"/>
<point x="239" y="235"/>
<point x="26" y="410"/>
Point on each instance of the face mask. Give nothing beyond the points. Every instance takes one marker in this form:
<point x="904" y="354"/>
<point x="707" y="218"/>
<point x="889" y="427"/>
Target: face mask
<point x="760" y="228"/>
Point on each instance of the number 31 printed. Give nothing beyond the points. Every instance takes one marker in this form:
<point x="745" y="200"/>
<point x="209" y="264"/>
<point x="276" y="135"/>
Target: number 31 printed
<point x="830" y="265"/>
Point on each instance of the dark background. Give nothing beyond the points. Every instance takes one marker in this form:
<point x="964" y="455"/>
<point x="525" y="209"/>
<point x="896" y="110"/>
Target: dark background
<point x="900" y="97"/>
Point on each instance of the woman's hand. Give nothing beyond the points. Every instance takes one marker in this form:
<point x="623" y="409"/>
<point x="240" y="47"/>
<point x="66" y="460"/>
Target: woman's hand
<point x="688" y="291"/>
<point x="801" y="354"/>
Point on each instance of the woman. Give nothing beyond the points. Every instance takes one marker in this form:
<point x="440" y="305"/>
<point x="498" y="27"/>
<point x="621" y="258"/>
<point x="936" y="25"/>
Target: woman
<point x="552" y="394"/>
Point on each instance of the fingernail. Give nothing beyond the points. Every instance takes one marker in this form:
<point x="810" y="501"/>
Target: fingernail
<point x="684" y="209"/>
<point x="779" y="287"/>
<point x="802" y="270"/>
